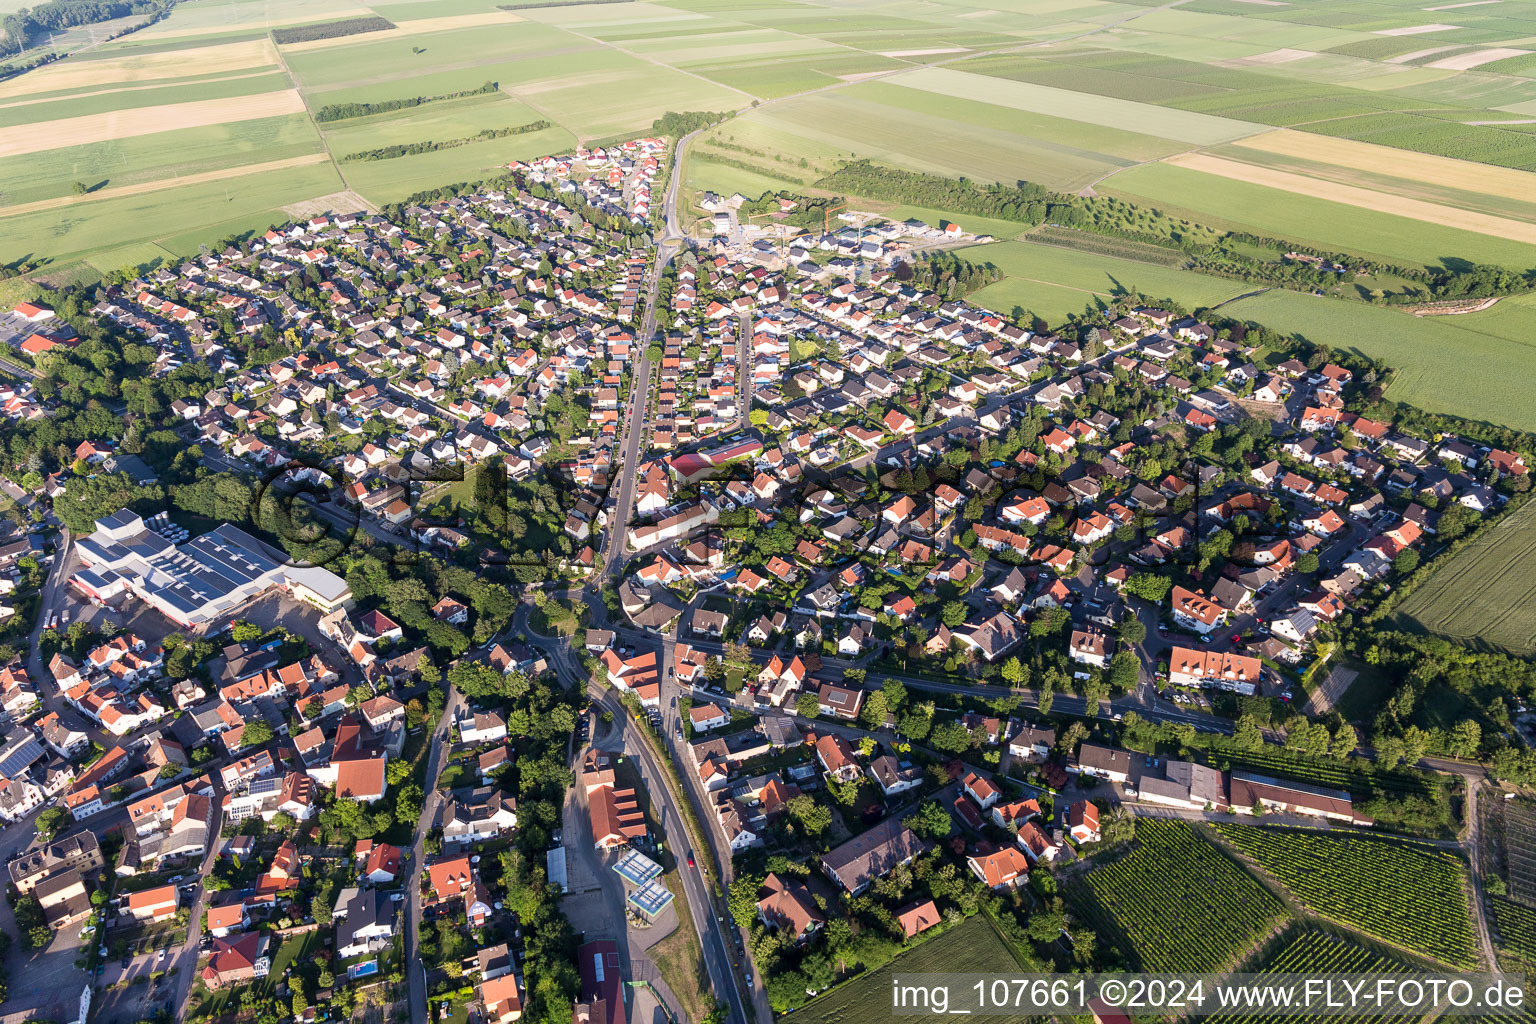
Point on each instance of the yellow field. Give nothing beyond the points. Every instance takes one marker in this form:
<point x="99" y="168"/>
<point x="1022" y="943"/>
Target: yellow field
<point x="143" y="67"/>
<point x="121" y="124"/>
<point x="1399" y="163"/>
<point x="409" y="30"/>
<point x="1381" y="202"/>
<point x="142" y="187"/>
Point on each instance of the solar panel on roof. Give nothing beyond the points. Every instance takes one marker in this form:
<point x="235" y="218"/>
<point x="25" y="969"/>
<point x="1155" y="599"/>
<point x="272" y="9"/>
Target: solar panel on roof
<point x="651" y="898"/>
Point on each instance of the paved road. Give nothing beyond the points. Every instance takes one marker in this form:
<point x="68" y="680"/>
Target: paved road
<point x="719" y="958"/>
<point x="415" y="973"/>
<point x="184" y="963"/>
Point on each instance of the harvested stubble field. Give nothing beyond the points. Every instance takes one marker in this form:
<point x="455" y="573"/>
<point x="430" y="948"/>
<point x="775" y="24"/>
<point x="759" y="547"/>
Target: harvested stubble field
<point x="1485" y="594"/>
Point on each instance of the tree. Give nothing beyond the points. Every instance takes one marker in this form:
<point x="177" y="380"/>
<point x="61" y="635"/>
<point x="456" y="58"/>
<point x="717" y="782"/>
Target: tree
<point x="809" y="705"/>
<point x="1307" y="563"/>
<point x="256" y="733"/>
<point x="1117" y="824"/>
<point x="1132" y="630"/>
<point x="744" y="899"/>
<point x="875" y="708"/>
<point x="1248" y="735"/>
<point x="895" y="693"/>
<point x="930" y="820"/>
<point x="1047" y="697"/>
<point x="1344" y="741"/>
<point x="1148" y="587"/>
<point x="1466" y="736"/>
<point x="950" y="737"/>
<point x="49" y="821"/>
<point x="812" y="818"/>
<point x="1071" y="736"/>
<point x="953" y="614"/>
<point x="918" y="721"/>
<point x="1406" y="561"/>
<point x="1014" y="673"/>
<point x="1124" y="670"/>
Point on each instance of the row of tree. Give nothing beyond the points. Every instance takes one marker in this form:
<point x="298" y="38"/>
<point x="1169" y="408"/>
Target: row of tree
<point x="343" y="111"/>
<point x="416" y="148"/>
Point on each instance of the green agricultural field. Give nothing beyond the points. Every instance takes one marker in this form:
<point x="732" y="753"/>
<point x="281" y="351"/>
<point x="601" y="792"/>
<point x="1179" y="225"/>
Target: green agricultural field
<point x="1225" y="202"/>
<point x="385" y="181"/>
<point x="139" y="254"/>
<point x="1052" y="281"/>
<point x="1412" y="895"/>
<point x="1485" y="594"/>
<point x="1127" y="115"/>
<point x="927" y="132"/>
<point x="1175" y="903"/>
<point x="971" y="947"/>
<point x="432" y="122"/>
<point x="142" y="158"/>
<point x="109" y="223"/>
<point x="1473" y="365"/>
<point x="353" y="62"/>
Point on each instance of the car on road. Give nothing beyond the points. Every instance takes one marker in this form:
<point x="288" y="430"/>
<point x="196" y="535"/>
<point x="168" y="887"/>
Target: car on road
<point x="690" y="859"/>
<point x="1205" y="638"/>
<point x="1236" y="638"/>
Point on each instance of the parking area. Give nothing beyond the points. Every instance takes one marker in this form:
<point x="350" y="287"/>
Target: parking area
<point x="130" y="993"/>
<point x="45" y="985"/>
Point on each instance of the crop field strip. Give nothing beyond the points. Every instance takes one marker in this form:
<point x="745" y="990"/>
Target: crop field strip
<point x="1177" y="903"/>
<point x="1516" y="924"/>
<point x="1485" y="594"/>
<point x="1307" y="951"/>
<point x="1520" y="851"/>
<point x="1408" y="894"/>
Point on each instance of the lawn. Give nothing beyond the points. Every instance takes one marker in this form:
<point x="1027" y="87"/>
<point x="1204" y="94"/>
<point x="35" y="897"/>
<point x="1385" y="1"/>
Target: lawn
<point x="970" y="947"/>
<point x="1485" y="594"/>
<point x="1051" y="281"/>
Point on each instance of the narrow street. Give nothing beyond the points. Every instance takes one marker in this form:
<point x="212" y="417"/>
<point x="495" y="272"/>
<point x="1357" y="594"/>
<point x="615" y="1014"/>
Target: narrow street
<point x="415" y="973"/>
